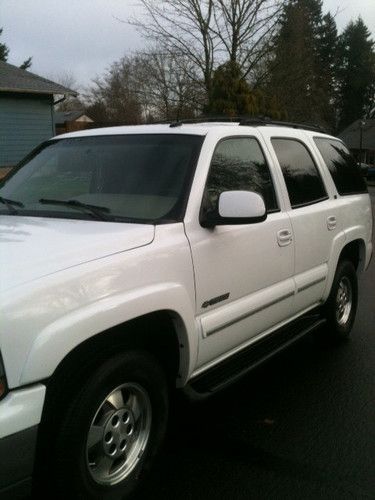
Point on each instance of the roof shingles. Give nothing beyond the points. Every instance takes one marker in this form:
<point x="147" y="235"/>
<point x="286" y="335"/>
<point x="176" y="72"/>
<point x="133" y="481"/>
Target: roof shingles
<point x="13" y="79"/>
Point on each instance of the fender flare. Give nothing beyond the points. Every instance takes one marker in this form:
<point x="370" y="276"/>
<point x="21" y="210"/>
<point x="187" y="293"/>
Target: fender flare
<point x="339" y="243"/>
<point x="63" y="335"/>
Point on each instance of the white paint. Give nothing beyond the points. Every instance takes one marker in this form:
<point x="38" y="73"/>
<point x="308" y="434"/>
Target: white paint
<point x="34" y="247"/>
<point x="241" y="204"/>
<point x="21" y="409"/>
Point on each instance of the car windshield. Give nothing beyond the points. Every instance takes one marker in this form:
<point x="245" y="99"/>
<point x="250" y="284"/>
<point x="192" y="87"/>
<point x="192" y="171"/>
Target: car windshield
<point x="134" y="178"/>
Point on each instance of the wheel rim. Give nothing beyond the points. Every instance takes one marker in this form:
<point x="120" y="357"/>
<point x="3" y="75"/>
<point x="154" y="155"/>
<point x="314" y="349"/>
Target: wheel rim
<point x="344" y="301"/>
<point x="118" y="434"/>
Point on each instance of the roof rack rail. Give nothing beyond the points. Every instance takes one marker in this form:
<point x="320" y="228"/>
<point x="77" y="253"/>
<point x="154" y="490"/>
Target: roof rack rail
<point x="204" y="119"/>
<point x="254" y="122"/>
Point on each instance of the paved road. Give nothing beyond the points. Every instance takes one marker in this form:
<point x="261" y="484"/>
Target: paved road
<point x="301" y="427"/>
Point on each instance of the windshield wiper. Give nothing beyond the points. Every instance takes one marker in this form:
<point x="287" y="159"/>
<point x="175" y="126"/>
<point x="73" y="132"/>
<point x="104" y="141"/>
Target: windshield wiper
<point x="9" y="204"/>
<point x="99" y="212"/>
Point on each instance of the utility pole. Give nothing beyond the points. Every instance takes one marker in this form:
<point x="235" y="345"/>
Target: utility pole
<point x="362" y="123"/>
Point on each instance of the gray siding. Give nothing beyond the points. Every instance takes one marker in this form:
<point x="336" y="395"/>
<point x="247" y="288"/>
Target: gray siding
<point x="25" y="121"/>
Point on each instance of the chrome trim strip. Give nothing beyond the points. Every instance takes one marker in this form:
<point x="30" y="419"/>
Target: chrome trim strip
<point x="247" y="343"/>
<point x="216" y="300"/>
<point x="248" y="314"/>
<point x="315" y="282"/>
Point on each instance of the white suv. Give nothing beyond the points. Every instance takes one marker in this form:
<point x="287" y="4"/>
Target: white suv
<point x="139" y="259"/>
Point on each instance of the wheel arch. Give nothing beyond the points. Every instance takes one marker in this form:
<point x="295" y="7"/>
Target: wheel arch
<point x="116" y="317"/>
<point x="161" y="333"/>
<point x="354" y="251"/>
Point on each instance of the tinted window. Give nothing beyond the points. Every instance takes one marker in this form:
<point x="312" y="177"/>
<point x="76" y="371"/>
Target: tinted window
<point x="136" y="177"/>
<point x="344" y="170"/>
<point x="238" y="164"/>
<point x="301" y="176"/>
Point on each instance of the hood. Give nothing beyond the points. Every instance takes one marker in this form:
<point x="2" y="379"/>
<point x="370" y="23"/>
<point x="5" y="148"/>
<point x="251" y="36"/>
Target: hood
<point x="31" y="248"/>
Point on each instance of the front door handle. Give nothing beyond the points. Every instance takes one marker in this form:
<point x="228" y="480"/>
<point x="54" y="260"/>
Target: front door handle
<point x="331" y="223"/>
<point x="284" y="237"/>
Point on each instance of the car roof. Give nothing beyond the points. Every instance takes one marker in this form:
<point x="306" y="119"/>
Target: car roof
<point x="191" y="129"/>
<point x="201" y="129"/>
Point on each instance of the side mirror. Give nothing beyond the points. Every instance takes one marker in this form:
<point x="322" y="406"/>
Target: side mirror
<point x="236" y="207"/>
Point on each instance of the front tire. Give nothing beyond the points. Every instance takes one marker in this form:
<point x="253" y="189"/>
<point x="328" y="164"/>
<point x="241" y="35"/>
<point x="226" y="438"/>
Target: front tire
<point x="341" y="306"/>
<point x="112" y="429"/>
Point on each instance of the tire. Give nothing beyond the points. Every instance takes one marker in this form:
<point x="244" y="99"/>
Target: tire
<point x="112" y="430"/>
<point x="341" y="306"/>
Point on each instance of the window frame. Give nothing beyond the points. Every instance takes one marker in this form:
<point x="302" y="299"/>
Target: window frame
<point x="272" y="175"/>
<point x="336" y="139"/>
<point x="321" y="177"/>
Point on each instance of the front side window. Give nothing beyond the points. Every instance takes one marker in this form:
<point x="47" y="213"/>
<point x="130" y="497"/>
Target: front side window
<point x="238" y="164"/>
<point x="141" y="178"/>
<point x="301" y="175"/>
<point x="342" y="166"/>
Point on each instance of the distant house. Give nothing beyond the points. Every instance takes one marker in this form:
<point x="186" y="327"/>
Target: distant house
<point x="352" y="138"/>
<point x="69" y="121"/>
<point x="26" y="112"/>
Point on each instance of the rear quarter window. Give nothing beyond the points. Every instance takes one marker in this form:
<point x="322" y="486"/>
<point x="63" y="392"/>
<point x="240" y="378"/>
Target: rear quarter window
<point x="341" y="165"/>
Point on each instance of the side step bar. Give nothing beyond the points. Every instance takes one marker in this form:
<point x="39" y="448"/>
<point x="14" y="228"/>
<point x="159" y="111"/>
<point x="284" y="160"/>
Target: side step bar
<point x="238" y="365"/>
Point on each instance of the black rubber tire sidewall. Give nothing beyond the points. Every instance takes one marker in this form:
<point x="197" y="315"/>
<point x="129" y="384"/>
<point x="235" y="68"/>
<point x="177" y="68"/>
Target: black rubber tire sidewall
<point x="71" y="475"/>
<point x="337" y="331"/>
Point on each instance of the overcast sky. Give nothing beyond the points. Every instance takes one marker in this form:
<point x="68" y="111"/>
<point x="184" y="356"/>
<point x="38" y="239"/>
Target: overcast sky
<point x="84" y="38"/>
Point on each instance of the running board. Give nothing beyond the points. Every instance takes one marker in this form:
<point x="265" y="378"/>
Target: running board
<point x="239" y="364"/>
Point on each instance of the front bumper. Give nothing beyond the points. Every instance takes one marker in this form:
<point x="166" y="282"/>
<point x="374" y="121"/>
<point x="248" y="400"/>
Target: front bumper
<point x="17" y="460"/>
<point x="20" y="414"/>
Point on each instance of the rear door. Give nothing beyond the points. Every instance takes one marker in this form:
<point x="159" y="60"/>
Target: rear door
<point x="313" y="213"/>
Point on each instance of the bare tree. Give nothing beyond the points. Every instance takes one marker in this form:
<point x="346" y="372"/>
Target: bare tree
<point x="166" y="85"/>
<point x="145" y="87"/>
<point x="245" y="29"/>
<point x="68" y="80"/>
<point x="112" y="97"/>
<point x="182" y="27"/>
<point x="208" y="33"/>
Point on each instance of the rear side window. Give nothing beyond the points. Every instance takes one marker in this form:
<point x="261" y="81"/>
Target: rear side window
<point x="239" y="164"/>
<point x="342" y="166"/>
<point x="301" y="175"/>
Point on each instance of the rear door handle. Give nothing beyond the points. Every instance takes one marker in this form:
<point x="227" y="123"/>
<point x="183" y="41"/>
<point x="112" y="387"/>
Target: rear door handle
<point x="284" y="237"/>
<point x="331" y="222"/>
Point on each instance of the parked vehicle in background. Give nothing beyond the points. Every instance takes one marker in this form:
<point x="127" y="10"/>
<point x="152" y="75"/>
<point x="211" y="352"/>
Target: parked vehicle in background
<point x="141" y="260"/>
<point x="371" y="173"/>
<point x="364" y="169"/>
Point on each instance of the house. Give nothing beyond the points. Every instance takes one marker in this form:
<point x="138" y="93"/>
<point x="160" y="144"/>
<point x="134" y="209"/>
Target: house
<point x="361" y="135"/>
<point x="69" y="121"/>
<point x="26" y="112"/>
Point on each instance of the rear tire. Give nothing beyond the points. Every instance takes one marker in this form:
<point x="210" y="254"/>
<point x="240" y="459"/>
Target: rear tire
<point x="111" y="430"/>
<point x="341" y="306"/>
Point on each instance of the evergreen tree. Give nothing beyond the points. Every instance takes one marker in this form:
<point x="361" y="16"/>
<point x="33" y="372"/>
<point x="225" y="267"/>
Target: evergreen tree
<point x="4" y="52"/>
<point x="230" y="94"/>
<point x="356" y="73"/>
<point x="26" y="64"/>
<point x="327" y="56"/>
<point x="302" y="69"/>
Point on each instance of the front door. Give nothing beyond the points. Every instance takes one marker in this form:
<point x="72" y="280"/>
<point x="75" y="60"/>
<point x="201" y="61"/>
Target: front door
<point x="243" y="273"/>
